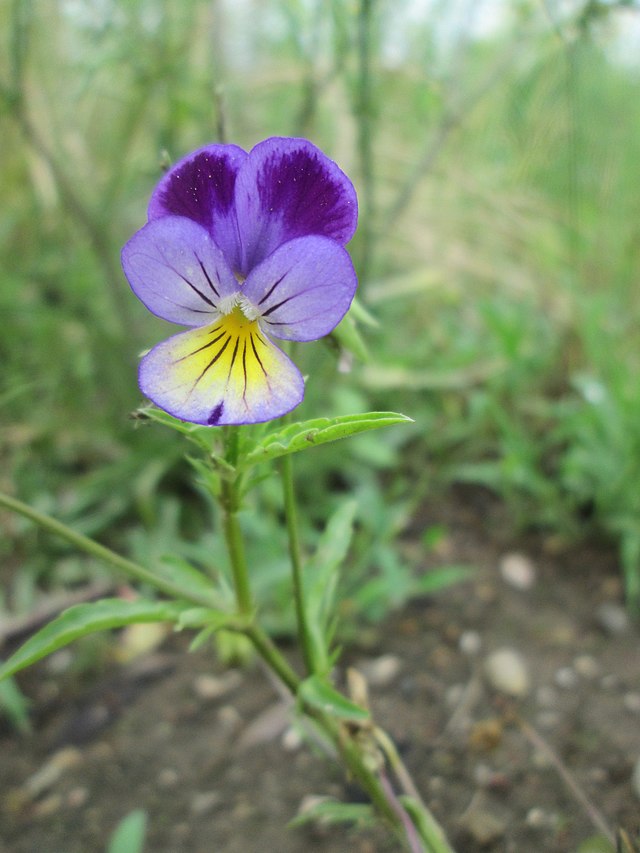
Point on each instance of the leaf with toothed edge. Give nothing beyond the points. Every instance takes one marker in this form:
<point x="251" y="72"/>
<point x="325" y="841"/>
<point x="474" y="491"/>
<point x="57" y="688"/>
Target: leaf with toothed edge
<point x="83" y="619"/>
<point x="300" y="436"/>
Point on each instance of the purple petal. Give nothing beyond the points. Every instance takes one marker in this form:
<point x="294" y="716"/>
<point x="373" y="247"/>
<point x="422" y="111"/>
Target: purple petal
<point x="201" y="187"/>
<point x="302" y="290"/>
<point x="225" y="373"/>
<point x="288" y="188"/>
<point x="177" y="271"/>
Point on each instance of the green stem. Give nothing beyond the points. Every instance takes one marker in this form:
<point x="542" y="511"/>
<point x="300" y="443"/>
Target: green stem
<point x="273" y="657"/>
<point x="351" y="751"/>
<point x="367" y="778"/>
<point x="347" y="747"/>
<point x="235" y="547"/>
<point x="230" y="502"/>
<point x="291" y="517"/>
<point x="430" y="830"/>
<point x="89" y="546"/>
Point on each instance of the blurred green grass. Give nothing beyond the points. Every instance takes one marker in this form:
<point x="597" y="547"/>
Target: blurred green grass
<point x="498" y="249"/>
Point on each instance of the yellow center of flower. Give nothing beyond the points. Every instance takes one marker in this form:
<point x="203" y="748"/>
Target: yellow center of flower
<point x="228" y="371"/>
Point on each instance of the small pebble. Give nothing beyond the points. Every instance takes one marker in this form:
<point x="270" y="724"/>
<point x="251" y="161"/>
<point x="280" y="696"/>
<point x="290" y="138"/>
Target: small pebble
<point x="292" y="739"/>
<point x="310" y="802"/>
<point x="482" y="773"/>
<point x="77" y="797"/>
<point x="538" y="818"/>
<point x="586" y="666"/>
<point x="518" y="571"/>
<point x="566" y="678"/>
<point x="47" y="807"/>
<point x="204" y="802"/>
<point x="486" y="734"/>
<point x="598" y="775"/>
<point x="168" y="778"/>
<point x="229" y="718"/>
<point x="380" y="672"/>
<point x="470" y="643"/>
<point x="507" y="672"/>
<point x="210" y="687"/>
<point x="631" y="702"/>
<point x="562" y="632"/>
<point x="484" y="826"/>
<point x="49" y="773"/>
<point x="612" y="618"/>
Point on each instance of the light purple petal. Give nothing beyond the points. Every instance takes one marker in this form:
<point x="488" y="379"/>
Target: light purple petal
<point x="302" y="290"/>
<point x="288" y="188"/>
<point x="177" y="271"/>
<point x="226" y="373"/>
<point x="201" y="187"/>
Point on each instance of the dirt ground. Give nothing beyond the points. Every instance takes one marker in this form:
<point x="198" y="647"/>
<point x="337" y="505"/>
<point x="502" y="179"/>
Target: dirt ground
<point x="212" y="758"/>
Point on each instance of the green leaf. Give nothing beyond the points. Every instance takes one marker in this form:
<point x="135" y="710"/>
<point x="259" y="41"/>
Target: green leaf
<point x="362" y="315"/>
<point x="203" y="436"/>
<point x="128" y="836"/>
<point x="330" y="811"/>
<point x="597" y="844"/>
<point x="318" y="693"/>
<point x="199" y="433"/>
<point x="436" y="579"/>
<point x="322" y="574"/>
<point x="83" y="619"/>
<point x="15" y="705"/>
<point x="300" y="436"/>
<point x="348" y="336"/>
<point x="205" y="617"/>
<point x="184" y="575"/>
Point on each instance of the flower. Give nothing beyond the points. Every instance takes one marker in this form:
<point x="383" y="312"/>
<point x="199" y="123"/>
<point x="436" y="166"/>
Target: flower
<point x="241" y="247"/>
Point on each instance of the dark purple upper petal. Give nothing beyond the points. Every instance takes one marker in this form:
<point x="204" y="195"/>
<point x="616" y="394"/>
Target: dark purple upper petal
<point x="288" y="188"/>
<point x="201" y="187"/>
<point x="303" y="289"/>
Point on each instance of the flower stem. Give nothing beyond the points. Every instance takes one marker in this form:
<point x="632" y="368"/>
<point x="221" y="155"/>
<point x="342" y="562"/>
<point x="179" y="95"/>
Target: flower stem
<point x="89" y="546"/>
<point x="430" y="830"/>
<point x="235" y="547"/>
<point x="291" y="517"/>
<point x="272" y="656"/>
<point x="353" y="755"/>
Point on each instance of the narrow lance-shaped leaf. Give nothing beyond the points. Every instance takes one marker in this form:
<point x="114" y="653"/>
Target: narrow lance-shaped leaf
<point x="300" y="436"/>
<point x="332" y="811"/>
<point x="321" y="576"/>
<point x="348" y="336"/>
<point x="315" y="692"/>
<point x="184" y="575"/>
<point x="83" y="619"/>
<point x="128" y="836"/>
<point x="14" y="705"/>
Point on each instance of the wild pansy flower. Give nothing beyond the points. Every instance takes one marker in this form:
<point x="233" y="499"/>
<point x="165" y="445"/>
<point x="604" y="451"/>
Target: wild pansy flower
<point x="241" y="247"/>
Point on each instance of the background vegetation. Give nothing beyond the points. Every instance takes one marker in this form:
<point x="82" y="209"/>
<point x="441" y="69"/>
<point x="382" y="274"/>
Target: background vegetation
<point x="495" y="149"/>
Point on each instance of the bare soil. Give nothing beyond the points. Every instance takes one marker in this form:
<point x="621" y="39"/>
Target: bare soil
<point x="211" y="756"/>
